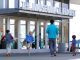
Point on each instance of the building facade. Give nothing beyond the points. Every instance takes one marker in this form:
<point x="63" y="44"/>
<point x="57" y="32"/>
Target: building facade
<point x="22" y="16"/>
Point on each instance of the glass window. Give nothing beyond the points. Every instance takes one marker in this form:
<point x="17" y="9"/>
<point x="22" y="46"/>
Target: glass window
<point x="22" y="31"/>
<point x="3" y="21"/>
<point x="32" y="28"/>
<point x="11" y="4"/>
<point x="48" y="23"/>
<point x="22" y="22"/>
<point x="42" y="23"/>
<point x="56" y="23"/>
<point x="32" y="22"/>
<point x="12" y="21"/>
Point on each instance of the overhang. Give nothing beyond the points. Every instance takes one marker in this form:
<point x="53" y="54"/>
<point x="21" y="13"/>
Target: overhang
<point x="29" y="13"/>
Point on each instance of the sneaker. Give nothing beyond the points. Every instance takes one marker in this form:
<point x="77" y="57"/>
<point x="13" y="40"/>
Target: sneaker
<point x="54" y="54"/>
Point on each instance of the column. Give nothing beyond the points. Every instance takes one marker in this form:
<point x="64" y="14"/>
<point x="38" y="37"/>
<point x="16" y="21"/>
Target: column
<point x="1" y="28"/>
<point x="16" y="3"/>
<point x="19" y="44"/>
<point x="37" y="34"/>
<point x="27" y="27"/>
<point x="1" y="24"/>
<point x="17" y="32"/>
<point x="61" y="46"/>
<point x="7" y="22"/>
<point x="45" y="35"/>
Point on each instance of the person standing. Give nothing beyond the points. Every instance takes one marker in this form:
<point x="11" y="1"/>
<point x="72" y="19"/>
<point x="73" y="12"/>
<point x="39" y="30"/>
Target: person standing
<point x="8" y="39"/>
<point x="73" y="46"/>
<point x="52" y="32"/>
<point x="29" y="40"/>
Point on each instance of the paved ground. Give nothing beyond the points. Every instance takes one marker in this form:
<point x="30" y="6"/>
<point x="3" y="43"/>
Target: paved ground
<point x="40" y="57"/>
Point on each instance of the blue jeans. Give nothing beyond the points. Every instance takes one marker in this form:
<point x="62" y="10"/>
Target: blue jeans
<point x="52" y="45"/>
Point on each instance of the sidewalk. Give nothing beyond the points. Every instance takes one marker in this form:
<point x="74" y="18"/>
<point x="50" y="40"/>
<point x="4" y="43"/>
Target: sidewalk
<point x="40" y="57"/>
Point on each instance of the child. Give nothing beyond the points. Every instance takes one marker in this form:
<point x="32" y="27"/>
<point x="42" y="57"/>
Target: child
<point x="73" y="45"/>
<point x="29" y="40"/>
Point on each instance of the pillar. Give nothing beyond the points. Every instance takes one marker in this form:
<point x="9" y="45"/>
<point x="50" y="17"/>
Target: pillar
<point x="37" y="34"/>
<point x="27" y="27"/>
<point x="1" y="24"/>
<point x="61" y="45"/>
<point x="17" y="31"/>
<point x="45" y="35"/>
<point x="19" y="42"/>
<point x="7" y="23"/>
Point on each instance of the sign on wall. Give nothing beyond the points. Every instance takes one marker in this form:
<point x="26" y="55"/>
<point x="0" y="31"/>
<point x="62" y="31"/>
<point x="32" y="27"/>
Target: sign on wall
<point x="47" y="9"/>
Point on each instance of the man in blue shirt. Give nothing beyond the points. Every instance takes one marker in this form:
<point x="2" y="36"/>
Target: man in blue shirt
<point x="52" y="31"/>
<point x="29" y="40"/>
